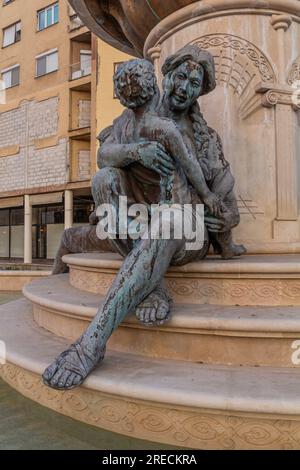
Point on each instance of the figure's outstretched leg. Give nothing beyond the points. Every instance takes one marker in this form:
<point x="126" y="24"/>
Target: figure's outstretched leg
<point x="139" y="275"/>
<point x="78" y="240"/>
<point x="108" y="185"/>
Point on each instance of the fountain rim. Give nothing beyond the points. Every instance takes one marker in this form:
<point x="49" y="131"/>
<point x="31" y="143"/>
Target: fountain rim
<point x="94" y="26"/>
<point x="208" y="9"/>
<point x="183" y="17"/>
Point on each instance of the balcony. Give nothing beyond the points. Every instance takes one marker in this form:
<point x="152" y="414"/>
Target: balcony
<point x="81" y="69"/>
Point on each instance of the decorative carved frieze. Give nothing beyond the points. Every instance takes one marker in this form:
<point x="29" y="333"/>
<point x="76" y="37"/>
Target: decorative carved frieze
<point x="256" y="63"/>
<point x="183" y="427"/>
<point x="294" y="73"/>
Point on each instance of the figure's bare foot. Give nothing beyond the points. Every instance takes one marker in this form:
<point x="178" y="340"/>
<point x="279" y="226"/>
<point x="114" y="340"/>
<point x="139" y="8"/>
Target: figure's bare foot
<point x="59" y="266"/>
<point x="232" y="250"/>
<point x="93" y="218"/>
<point x="155" y="309"/>
<point x="71" y="367"/>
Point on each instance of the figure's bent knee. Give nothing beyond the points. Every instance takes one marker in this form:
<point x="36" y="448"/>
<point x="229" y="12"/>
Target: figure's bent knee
<point x="105" y="177"/>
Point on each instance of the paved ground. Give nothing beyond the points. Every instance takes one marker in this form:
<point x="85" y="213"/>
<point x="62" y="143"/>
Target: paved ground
<point x="26" y="425"/>
<point x="8" y="297"/>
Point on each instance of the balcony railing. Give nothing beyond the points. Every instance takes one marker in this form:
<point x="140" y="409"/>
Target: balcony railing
<point x="80" y="69"/>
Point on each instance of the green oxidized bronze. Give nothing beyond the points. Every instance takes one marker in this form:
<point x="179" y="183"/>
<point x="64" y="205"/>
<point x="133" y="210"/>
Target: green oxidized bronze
<point x="160" y="150"/>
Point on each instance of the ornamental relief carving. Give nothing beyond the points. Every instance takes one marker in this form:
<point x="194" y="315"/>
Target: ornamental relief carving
<point x="272" y="292"/>
<point x="94" y="282"/>
<point x="239" y="63"/>
<point x="167" y="424"/>
<point x="203" y="290"/>
<point x="294" y="73"/>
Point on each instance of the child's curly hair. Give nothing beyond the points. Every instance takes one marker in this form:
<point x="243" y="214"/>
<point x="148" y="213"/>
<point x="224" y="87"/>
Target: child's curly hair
<point x="135" y="82"/>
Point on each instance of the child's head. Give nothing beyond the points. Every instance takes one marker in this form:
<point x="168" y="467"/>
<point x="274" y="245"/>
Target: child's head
<point x="135" y="83"/>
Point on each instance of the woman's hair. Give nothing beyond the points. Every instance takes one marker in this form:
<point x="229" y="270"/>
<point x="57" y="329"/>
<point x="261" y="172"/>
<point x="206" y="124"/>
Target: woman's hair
<point x="200" y="128"/>
<point x="202" y="138"/>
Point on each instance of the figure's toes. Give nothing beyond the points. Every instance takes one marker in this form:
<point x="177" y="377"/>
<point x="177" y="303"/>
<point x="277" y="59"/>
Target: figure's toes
<point x="71" y="379"/>
<point x="140" y="313"/>
<point x="152" y="315"/>
<point x="62" y="382"/>
<point x="162" y="311"/>
<point x="147" y="315"/>
<point x="56" y="378"/>
<point x="240" y="250"/>
<point x="76" y="380"/>
<point x="50" y="371"/>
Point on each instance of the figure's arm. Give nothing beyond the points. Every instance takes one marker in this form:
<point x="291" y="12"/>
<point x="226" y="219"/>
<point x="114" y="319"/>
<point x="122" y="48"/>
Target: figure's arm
<point x="150" y="154"/>
<point x="117" y="155"/>
<point x="173" y="141"/>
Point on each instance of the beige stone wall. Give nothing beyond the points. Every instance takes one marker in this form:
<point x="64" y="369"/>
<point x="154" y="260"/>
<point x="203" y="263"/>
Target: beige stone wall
<point x="43" y="118"/>
<point x="48" y="166"/>
<point x="27" y="127"/>
<point x="29" y="121"/>
<point x="12" y="172"/>
<point x="13" y="127"/>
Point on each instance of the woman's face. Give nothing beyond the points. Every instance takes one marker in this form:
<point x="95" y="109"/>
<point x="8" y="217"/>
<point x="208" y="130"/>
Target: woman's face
<point x="187" y="82"/>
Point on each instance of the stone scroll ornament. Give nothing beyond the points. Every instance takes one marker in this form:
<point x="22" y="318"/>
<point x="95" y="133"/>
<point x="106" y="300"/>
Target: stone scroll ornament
<point x="159" y="150"/>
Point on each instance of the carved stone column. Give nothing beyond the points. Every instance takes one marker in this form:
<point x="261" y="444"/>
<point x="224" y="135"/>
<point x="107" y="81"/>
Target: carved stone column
<point x="27" y="230"/>
<point x="285" y="122"/>
<point x="68" y="209"/>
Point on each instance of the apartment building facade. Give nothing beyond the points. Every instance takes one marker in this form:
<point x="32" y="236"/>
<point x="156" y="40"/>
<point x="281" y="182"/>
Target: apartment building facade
<point x="56" y="94"/>
<point x="46" y="69"/>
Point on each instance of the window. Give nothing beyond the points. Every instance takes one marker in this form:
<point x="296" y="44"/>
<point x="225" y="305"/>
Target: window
<point x="12" y="34"/>
<point x="11" y="76"/>
<point x="47" y="17"/>
<point x="84" y="67"/>
<point x="46" y="63"/>
<point x="86" y="62"/>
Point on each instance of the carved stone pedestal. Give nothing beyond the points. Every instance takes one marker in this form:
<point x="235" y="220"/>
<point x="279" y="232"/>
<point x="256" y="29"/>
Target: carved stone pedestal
<point x="223" y="374"/>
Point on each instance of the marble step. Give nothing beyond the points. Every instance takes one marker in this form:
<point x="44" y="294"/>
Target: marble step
<point x="264" y="280"/>
<point x="173" y="402"/>
<point x="210" y="334"/>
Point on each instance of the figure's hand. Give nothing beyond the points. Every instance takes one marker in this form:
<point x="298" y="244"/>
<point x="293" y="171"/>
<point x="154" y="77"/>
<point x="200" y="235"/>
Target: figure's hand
<point x="213" y="204"/>
<point x="213" y="224"/>
<point x="153" y="155"/>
